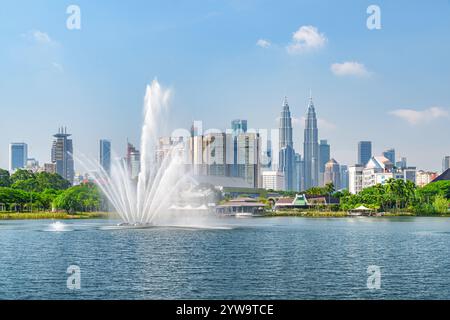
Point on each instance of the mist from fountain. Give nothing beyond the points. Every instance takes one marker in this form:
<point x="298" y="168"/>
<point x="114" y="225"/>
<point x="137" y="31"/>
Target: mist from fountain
<point x="159" y="182"/>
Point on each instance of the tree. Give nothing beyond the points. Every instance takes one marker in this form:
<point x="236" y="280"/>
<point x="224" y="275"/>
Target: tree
<point x="5" y="179"/>
<point x="21" y="174"/>
<point x="329" y="188"/>
<point x="440" y="204"/>
<point x="82" y="198"/>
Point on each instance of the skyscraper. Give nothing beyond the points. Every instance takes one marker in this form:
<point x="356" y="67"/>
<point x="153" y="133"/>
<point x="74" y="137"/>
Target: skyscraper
<point x="286" y="147"/>
<point x="133" y="161"/>
<point x="445" y="163"/>
<point x="248" y="158"/>
<point x="238" y="126"/>
<point x="299" y="166"/>
<point x="62" y="150"/>
<point x="390" y="154"/>
<point x="311" y="148"/>
<point x="364" y="152"/>
<point x="105" y="155"/>
<point x="18" y="155"/>
<point x="332" y="174"/>
<point x="324" y="157"/>
<point x="344" y="176"/>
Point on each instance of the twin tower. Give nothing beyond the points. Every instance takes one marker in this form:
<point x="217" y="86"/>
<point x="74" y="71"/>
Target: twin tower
<point x="299" y="174"/>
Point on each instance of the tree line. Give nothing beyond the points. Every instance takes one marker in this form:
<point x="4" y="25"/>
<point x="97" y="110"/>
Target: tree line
<point x="26" y="191"/>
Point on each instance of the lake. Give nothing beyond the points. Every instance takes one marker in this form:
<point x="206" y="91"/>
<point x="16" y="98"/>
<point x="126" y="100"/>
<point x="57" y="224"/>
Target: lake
<point x="255" y="258"/>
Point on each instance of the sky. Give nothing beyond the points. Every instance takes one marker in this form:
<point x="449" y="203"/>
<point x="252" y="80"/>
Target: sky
<point x="225" y="60"/>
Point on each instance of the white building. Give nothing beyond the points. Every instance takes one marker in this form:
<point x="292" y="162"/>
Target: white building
<point x="377" y="171"/>
<point x="425" y="177"/>
<point x="355" y="178"/>
<point x="273" y="180"/>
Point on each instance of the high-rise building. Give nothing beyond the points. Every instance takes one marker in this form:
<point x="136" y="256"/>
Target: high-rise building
<point x="311" y="148"/>
<point x="214" y="149"/>
<point x="344" y="176"/>
<point x="364" y="152"/>
<point x="62" y="154"/>
<point x="286" y="148"/>
<point x="324" y="157"/>
<point x="105" y="155"/>
<point x="390" y="154"/>
<point x="445" y="163"/>
<point x="402" y="164"/>
<point x="332" y="174"/>
<point x="238" y="126"/>
<point x="133" y="161"/>
<point x="355" y="178"/>
<point x="299" y="166"/>
<point x="248" y="161"/>
<point x="266" y="158"/>
<point x="18" y="155"/>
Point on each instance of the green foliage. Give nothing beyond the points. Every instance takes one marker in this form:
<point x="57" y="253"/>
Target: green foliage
<point x="28" y="191"/>
<point x="38" y="182"/>
<point x="5" y="179"/>
<point x="82" y="198"/>
<point x="400" y="196"/>
<point x="440" y="204"/>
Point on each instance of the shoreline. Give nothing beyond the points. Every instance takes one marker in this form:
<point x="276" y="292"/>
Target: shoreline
<point x="344" y="214"/>
<point x="110" y="215"/>
<point x="54" y="215"/>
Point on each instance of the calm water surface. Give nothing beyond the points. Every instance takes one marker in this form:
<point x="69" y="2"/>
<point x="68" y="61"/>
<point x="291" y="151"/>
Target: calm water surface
<point x="259" y="258"/>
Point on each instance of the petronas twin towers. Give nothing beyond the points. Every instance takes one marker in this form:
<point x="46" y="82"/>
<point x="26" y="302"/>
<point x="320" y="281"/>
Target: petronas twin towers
<point x="295" y="178"/>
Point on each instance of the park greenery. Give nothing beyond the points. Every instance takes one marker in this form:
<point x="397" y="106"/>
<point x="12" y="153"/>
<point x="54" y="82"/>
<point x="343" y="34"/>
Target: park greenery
<point x="27" y="192"/>
<point x="396" y="196"/>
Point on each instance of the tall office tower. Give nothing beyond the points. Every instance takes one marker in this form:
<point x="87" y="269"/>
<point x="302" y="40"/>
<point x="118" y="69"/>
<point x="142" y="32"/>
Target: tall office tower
<point x="238" y="126"/>
<point x="248" y="161"/>
<point x="105" y="155"/>
<point x="390" y="154"/>
<point x="402" y="163"/>
<point x="62" y="154"/>
<point x="299" y="165"/>
<point x="286" y="147"/>
<point x="344" y="176"/>
<point x="324" y="157"/>
<point x="133" y="161"/>
<point x="311" y="148"/>
<point x="445" y="163"/>
<point x="18" y="155"/>
<point x="333" y="173"/>
<point x="266" y="157"/>
<point x="214" y="154"/>
<point x="364" y="152"/>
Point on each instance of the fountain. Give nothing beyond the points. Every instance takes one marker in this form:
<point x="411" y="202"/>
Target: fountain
<point x="145" y="201"/>
<point x="58" y="227"/>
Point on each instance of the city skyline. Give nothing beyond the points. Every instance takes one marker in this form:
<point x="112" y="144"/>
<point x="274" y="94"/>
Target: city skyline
<point x="363" y="80"/>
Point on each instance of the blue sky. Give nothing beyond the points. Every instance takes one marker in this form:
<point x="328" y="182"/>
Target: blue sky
<point x="391" y="86"/>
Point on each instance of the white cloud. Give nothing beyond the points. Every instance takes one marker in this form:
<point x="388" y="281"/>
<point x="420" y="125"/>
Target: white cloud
<point x="306" y="38"/>
<point x="263" y="43"/>
<point x="39" y="37"/>
<point x="349" y="68"/>
<point x="415" y="117"/>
